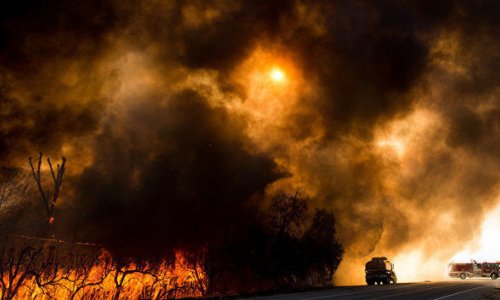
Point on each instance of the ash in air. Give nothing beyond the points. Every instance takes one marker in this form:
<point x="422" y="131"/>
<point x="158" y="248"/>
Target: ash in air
<point x="180" y="120"/>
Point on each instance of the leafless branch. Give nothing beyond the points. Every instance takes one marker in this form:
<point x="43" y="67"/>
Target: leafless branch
<point x="48" y="201"/>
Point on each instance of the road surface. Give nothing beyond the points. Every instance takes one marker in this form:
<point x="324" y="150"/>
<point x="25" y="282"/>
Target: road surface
<point x="453" y="289"/>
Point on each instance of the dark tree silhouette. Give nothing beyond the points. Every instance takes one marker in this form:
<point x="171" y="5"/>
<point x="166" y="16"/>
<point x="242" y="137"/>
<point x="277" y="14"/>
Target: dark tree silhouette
<point x="16" y="268"/>
<point x="288" y="212"/>
<point x="303" y="251"/>
<point x="47" y="196"/>
<point x="323" y="252"/>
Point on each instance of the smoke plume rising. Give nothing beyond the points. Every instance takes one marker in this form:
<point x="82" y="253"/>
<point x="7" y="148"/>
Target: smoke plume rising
<point x="175" y="134"/>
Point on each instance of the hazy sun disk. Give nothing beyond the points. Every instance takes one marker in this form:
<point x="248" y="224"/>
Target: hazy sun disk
<point x="273" y="85"/>
<point x="277" y="75"/>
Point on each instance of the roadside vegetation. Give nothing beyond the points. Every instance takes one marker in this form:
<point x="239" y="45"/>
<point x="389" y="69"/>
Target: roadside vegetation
<point x="288" y="246"/>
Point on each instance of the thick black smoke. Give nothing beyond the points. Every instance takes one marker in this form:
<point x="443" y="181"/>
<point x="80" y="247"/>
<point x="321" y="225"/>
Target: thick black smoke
<point x="165" y="165"/>
<point x="178" y="175"/>
<point x="51" y="84"/>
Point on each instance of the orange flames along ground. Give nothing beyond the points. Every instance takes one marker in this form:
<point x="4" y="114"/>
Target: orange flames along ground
<point x="103" y="279"/>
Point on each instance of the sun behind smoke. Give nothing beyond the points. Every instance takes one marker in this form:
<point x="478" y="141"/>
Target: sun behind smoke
<point x="277" y="75"/>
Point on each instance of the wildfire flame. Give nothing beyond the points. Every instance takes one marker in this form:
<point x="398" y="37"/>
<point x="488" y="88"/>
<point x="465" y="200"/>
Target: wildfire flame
<point x="106" y="279"/>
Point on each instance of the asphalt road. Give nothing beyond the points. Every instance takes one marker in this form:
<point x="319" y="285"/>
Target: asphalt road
<point x="454" y="289"/>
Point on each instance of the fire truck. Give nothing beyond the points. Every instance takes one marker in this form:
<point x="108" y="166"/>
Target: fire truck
<point x="474" y="269"/>
<point x="379" y="270"/>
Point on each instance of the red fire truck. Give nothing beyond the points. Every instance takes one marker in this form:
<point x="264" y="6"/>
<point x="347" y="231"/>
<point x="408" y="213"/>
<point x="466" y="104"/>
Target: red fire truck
<point x="474" y="269"/>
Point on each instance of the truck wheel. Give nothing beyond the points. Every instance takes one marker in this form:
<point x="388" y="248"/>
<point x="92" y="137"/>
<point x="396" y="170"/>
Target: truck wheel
<point x="494" y="276"/>
<point x="462" y="276"/>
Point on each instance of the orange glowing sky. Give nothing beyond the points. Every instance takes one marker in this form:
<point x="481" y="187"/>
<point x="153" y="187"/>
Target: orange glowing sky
<point x="386" y="115"/>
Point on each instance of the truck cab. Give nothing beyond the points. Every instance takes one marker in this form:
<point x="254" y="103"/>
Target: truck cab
<point x="490" y="270"/>
<point x="379" y="270"/>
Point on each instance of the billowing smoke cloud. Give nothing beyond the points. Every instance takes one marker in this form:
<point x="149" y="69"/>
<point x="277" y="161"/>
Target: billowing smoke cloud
<point x="389" y="116"/>
<point x="177" y="175"/>
<point x="53" y="62"/>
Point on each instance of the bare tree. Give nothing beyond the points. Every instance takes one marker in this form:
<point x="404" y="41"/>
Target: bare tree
<point x="48" y="274"/>
<point x="16" y="268"/>
<point x="36" y="273"/>
<point x="122" y="274"/>
<point x="48" y="197"/>
<point x="82" y="276"/>
<point x="288" y="212"/>
<point x="163" y="281"/>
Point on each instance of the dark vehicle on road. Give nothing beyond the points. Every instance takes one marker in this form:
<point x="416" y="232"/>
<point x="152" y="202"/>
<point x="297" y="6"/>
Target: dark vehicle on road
<point x="379" y="270"/>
